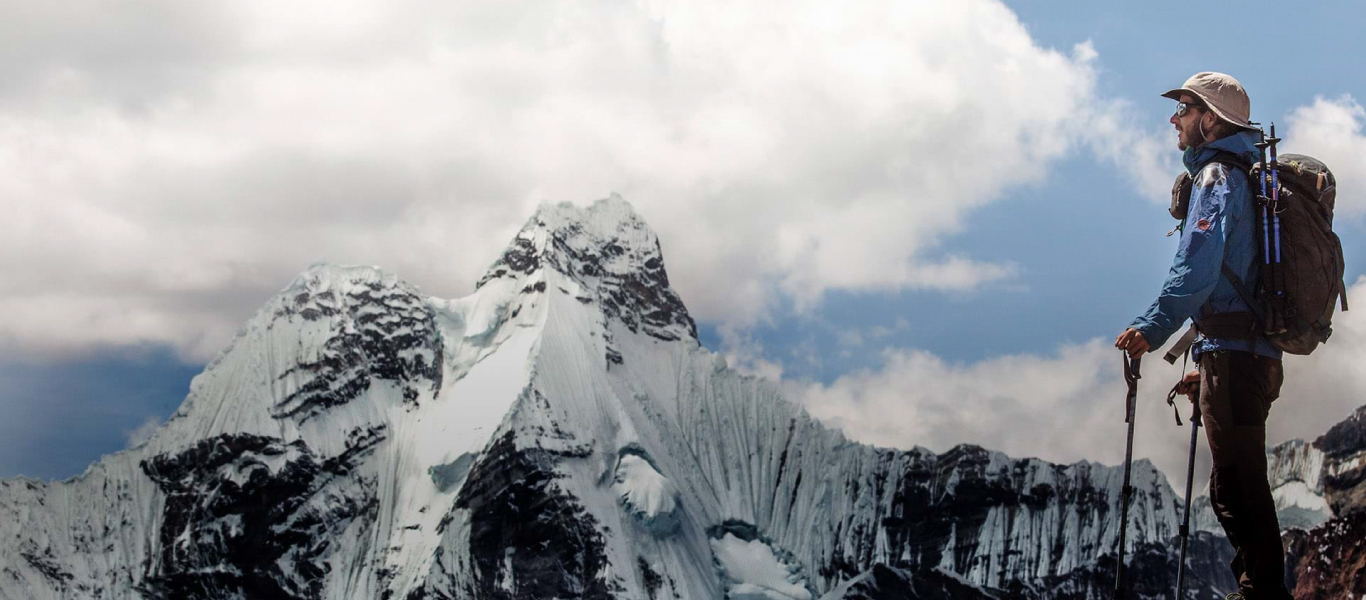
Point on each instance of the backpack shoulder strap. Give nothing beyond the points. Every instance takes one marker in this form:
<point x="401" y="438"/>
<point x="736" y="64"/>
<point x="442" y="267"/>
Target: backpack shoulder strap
<point x="1243" y="292"/>
<point x="1232" y="160"/>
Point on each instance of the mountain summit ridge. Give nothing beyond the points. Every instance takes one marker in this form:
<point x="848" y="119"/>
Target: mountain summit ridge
<point x="605" y="249"/>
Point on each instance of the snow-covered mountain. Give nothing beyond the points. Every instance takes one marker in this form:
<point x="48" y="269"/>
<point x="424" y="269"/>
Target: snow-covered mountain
<point x="559" y="433"/>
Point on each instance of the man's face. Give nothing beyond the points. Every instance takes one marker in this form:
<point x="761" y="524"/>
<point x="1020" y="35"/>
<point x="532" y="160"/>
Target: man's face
<point x="1188" y="125"/>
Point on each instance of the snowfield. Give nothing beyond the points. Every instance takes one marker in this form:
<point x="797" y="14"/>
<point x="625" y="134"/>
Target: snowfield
<point x="755" y="573"/>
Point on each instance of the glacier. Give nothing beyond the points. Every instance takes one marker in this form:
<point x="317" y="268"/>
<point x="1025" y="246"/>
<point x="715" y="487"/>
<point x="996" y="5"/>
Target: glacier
<point x="558" y="433"/>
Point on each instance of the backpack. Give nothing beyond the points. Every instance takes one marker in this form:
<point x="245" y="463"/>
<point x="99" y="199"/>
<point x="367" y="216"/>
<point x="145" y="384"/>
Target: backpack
<point x="1294" y="303"/>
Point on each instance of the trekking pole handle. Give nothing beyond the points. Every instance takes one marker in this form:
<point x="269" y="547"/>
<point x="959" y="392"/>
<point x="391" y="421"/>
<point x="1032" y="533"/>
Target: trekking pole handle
<point x="1131" y="377"/>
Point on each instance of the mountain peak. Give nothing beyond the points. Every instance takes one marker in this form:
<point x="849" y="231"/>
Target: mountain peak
<point x="324" y="274"/>
<point x="610" y="217"/>
<point x="608" y="254"/>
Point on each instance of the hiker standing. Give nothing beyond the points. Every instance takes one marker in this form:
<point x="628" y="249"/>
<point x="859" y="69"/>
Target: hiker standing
<point x="1239" y="372"/>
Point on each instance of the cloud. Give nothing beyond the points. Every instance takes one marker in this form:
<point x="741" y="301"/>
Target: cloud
<point x="1146" y="155"/>
<point x="882" y="331"/>
<point x="1331" y="130"/>
<point x="746" y="355"/>
<point x="164" y="172"/>
<point x="1069" y="405"/>
<point x="143" y="432"/>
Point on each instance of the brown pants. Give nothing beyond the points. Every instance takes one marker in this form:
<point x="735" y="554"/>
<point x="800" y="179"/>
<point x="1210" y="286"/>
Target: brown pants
<point x="1236" y="392"/>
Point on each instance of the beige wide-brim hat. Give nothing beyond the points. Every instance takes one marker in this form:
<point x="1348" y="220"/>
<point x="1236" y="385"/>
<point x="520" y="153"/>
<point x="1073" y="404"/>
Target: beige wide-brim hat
<point x="1221" y="93"/>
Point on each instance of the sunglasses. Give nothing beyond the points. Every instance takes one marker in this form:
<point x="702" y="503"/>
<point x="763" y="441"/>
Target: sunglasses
<point x="1184" y="107"/>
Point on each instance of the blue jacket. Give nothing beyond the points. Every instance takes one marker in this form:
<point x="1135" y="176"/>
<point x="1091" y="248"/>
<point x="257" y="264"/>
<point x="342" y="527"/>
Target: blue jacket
<point x="1220" y="226"/>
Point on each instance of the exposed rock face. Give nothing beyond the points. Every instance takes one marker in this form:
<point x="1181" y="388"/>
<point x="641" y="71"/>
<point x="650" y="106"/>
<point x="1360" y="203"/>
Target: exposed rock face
<point x="994" y="520"/>
<point x="883" y="581"/>
<point x="560" y="433"/>
<point x="529" y="539"/>
<point x="374" y="328"/>
<point x="1150" y="574"/>
<point x="1344" y="468"/>
<point x="252" y="516"/>
<point x="613" y="261"/>
<point x="1329" y="561"/>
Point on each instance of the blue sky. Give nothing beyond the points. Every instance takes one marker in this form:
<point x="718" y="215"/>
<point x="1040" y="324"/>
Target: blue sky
<point x="61" y="416"/>
<point x="130" y="299"/>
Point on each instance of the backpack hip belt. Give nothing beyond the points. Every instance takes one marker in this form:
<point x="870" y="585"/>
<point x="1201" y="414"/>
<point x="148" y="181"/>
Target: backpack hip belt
<point x="1241" y="325"/>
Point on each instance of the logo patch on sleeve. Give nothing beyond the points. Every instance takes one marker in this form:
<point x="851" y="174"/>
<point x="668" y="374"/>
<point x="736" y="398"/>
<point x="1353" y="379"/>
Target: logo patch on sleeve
<point x="1203" y="225"/>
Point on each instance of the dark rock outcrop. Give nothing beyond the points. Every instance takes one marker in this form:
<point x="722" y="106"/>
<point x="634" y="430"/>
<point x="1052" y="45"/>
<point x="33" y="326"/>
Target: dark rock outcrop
<point x="377" y="330"/>
<point x="523" y="526"/>
<point x="251" y="516"/>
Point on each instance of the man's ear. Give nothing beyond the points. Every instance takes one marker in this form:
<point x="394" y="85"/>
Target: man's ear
<point x="1212" y="123"/>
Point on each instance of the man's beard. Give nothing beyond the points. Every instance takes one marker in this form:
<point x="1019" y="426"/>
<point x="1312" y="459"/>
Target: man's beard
<point x="1198" y="138"/>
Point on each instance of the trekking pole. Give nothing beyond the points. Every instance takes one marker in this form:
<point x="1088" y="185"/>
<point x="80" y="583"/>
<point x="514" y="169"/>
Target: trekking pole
<point x="1267" y="272"/>
<point x="1190" y="476"/>
<point x="1278" y="272"/>
<point x="1131" y="377"/>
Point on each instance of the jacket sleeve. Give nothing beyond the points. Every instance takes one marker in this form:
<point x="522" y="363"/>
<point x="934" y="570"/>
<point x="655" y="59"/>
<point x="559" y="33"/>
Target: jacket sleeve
<point x="1196" y="269"/>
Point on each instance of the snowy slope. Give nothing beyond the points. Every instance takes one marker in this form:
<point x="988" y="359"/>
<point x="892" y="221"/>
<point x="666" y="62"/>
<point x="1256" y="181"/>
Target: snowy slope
<point x="558" y="433"/>
<point x="1295" y="470"/>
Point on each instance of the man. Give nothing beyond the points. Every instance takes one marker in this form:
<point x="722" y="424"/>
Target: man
<point x="1239" y="369"/>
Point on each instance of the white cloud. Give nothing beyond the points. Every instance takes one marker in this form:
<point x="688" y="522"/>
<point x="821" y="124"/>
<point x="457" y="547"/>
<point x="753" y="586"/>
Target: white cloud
<point x="898" y="326"/>
<point x="1331" y="130"/>
<point x="1147" y="155"/>
<point x="1069" y="406"/>
<point x="142" y="432"/>
<point x="746" y="355"/>
<point x="164" y="172"/>
<point x="849" y="338"/>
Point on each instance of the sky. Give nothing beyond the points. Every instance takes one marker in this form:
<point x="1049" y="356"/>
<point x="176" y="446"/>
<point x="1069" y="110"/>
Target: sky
<point x="925" y="220"/>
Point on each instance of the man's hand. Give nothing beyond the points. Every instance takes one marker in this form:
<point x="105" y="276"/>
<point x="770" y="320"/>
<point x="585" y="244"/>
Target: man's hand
<point x="1190" y="385"/>
<point x="1132" y="341"/>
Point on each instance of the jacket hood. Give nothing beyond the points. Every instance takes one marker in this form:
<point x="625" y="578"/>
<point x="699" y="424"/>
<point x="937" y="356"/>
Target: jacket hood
<point x="1242" y="144"/>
